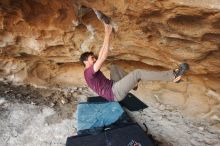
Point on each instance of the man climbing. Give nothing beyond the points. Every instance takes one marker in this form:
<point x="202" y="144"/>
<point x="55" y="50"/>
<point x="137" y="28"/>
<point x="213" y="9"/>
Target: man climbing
<point x="120" y="84"/>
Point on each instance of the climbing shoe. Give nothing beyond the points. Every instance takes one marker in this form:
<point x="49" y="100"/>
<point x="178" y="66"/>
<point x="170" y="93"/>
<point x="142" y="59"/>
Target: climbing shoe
<point x="180" y="71"/>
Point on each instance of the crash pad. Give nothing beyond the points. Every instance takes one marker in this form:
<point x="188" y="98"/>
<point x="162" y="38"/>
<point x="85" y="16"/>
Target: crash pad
<point x="131" y="102"/>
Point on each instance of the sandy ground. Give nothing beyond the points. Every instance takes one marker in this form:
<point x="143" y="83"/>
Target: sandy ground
<point x="45" y="117"/>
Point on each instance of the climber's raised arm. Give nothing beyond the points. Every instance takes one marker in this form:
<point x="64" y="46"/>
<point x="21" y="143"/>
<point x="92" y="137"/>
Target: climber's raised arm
<point x="103" y="53"/>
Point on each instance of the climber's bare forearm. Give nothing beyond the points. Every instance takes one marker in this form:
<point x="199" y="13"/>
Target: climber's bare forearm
<point x="103" y="53"/>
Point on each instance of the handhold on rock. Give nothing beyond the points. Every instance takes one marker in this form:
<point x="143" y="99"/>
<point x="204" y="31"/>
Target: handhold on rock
<point x="102" y="17"/>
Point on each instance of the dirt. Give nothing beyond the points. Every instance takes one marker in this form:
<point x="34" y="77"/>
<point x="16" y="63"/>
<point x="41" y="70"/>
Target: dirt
<point x="62" y="101"/>
<point x="40" y="116"/>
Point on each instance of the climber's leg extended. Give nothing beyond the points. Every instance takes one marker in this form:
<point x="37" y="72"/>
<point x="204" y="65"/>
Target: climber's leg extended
<point x="117" y="73"/>
<point x="122" y="87"/>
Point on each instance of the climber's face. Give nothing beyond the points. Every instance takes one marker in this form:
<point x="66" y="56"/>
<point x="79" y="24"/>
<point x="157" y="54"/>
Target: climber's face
<point x="91" y="60"/>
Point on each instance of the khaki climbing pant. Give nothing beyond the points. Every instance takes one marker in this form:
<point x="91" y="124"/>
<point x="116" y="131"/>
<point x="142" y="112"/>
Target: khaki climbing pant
<point x="124" y="82"/>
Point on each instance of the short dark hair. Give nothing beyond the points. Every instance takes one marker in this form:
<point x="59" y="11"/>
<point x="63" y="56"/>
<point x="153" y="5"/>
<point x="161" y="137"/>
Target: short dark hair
<point x="84" y="56"/>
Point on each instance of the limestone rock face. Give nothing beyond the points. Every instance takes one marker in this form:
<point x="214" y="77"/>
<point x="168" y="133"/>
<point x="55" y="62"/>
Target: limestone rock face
<point x="157" y="33"/>
<point x="41" y="41"/>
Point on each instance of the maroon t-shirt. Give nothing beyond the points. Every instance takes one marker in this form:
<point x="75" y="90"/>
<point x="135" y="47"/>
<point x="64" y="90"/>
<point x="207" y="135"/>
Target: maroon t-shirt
<point x="99" y="83"/>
